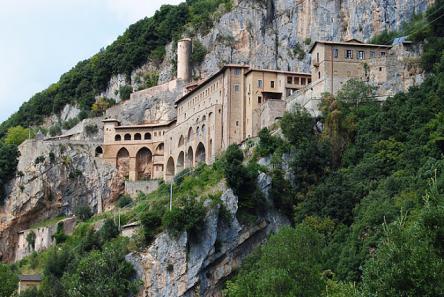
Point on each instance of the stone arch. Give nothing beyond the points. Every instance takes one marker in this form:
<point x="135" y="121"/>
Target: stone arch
<point x="190" y="134"/>
<point x="117" y="137"/>
<point x="160" y="148"/>
<point x="180" y="162"/>
<point x="147" y="136"/>
<point x="200" y="153"/>
<point x="170" y="170"/>
<point x="144" y="164"/>
<point x="190" y="158"/>
<point x="99" y="151"/>
<point x="127" y="136"/>
<point x="137" y="136"/>
<point x="181" y="141"/>
<point x="123" y="161"/>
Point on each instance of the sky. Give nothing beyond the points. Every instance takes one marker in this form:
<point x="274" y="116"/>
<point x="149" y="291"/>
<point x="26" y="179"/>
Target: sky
<point x="42" y="39"/>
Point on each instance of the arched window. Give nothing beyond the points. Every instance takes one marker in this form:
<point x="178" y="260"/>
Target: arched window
<point x="204" y="130"/>
<point x="197" y="131"/>
<point x="147" y="136"/>
<point x="210" y="115"/>
<point x="160" y="148"/>
<point x="137" y="136"/>
<point x="190" y="134"/>
<point x="99" y="151"/>
<point x="181" y="141"/>
<point x="204" y="118"/>
<point x="117" y="138"/>
<point x="127" y="136"/>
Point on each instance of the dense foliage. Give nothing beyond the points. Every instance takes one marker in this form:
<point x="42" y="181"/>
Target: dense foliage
<point x="370" y="184"/>
<point x="88" y="263"/>
<point x="142" y="41"/>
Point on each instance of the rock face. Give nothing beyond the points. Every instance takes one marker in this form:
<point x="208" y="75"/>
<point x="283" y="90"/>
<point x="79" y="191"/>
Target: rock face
<point x="198" y="267"/>
<point x="54" y="177"/>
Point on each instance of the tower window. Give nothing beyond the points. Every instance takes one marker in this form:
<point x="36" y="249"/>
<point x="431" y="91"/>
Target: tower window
<point x="237" y="88"/>
<point x="260" y="83"/>
<point x="259" y="99"/>
<point x="361" y="55"/>
<point x="349" y="54"/>
<point x="335" y="53"/>
<point x="272" y="84"/>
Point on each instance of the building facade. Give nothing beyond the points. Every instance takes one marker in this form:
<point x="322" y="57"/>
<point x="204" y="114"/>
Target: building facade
<point x="233" y="105"/>
<point x="227" y="108"/>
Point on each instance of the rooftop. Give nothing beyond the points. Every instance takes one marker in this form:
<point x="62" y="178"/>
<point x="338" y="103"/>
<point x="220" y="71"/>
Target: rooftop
<point x="210" y="78"/>
<point x="351" y="42"/>
<point x="30" y="278"/>
<point x="235" y="66"/>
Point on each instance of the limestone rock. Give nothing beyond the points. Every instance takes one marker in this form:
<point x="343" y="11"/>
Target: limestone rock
<point x="186" y="267"/>
<point x="54" y="177"/>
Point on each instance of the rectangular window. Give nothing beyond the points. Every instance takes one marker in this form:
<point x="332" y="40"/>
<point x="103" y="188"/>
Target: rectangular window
<point x="289" y="80"/>
<point x="296" y="80"/>
<point x="237" y="71"/>
<point x="361" y="55"/>
<point x="309" y="80"/>
<point x="259" y="99"/>
<point x="272" y="84"/>
<point x="303" y="81"/>
<point x="260" y="83"/>
<point x="317" y="57"/>
<point x="382" y="54"/>
<point x="372" y="55"/>
<point x="237" y="88"/>
<point x="335" y="53"/>
<point x="349" y="54"/>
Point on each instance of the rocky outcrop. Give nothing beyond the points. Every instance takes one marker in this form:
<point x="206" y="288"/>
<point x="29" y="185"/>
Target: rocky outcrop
<point x="199" y="266"/>
<point x="53" y="178"/>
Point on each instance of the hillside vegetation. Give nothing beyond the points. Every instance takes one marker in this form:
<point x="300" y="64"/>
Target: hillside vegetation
<point x="366" y="194"/>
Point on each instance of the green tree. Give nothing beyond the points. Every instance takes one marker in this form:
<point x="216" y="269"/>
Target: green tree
<point x="287" y="265"/>
<point x="16" y="135"/>
<point x="102" y="273"/>
<point x="8" y="280"/>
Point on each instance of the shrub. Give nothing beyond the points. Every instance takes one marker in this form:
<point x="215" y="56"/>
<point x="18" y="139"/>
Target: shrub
<point x="108" y="231"/>
<point x="55" y="130"/>
<point x="91" y="129"/>
<point x="83" y="212"/>
<point x="151" y="222"/>
<point x="189" y="216"/>
<point x="124" y="200"/>
<point x="125" y="92"/>
<point x="8" y="280"/>
<point x="60" y="235"/>
<point x="30" y="239"/>
<point x="70" y="123"/>
<point x="16" y="135"/>
<point x="199" y="53"/>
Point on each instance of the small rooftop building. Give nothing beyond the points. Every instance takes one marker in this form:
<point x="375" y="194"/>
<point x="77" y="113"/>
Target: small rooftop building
<point x="27" y="282"/>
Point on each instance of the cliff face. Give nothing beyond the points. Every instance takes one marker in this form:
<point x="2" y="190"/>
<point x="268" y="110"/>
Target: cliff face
<point x="185" y="267"/>
<point x="54" y="177"/>
<point x="276" y="33"/>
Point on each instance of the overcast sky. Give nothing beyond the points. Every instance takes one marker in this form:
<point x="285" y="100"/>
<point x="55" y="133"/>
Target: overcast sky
<point x="42" y="39"/>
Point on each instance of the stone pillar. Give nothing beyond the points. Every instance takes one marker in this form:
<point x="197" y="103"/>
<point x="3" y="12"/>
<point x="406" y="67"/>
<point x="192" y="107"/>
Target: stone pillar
<point x="184" y="49"/>
<point x="132" y="169"/>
